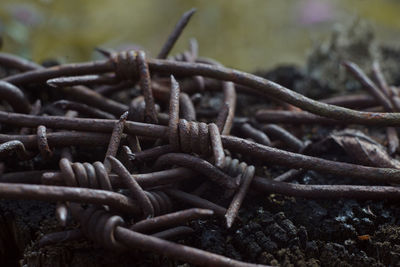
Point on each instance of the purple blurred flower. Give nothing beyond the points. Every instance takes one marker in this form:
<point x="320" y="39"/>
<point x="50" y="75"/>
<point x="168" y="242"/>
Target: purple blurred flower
<point x="315" y="11"/>
<point x="25" y="14"/>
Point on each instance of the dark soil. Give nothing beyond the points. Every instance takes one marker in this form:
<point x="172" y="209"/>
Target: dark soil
<point x="274" y="230"/>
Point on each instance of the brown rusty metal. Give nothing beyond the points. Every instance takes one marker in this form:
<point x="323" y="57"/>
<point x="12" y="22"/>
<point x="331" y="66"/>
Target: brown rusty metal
<point x="19" y="63"/>
<point x="171" y="219"/>
<point x="260" y="85"/>
<point x="294" y="160"/>
<point x="192" y="136"/>
<point x="43" y="144"/>
<point x="81" y="124"/>
<point x="216" y="143"/>
<point x="145" y="84"/>
<point x="14" y="147"/>
<point x="391" y="133"/>
<point x="187" y="108"/>
<point x="356" y="101"/>
<point x="35" y="110"/>
<point x="108" y="230"/>
<point x="179" y="231"/>
<point x="60" y="139"/>
<point x="151" y="153"/>
<point x="60" y="237"/>
<point x="62" y="193"/>
<point x="170" y="140"/>
<point x="135" y="189"/>
<point x="115" y="140"/>
<point x="173" y="37"/>
<point x="83" y="109"/>
<point x="81" y="175"/>
<point x="161" y="202"/>
<point x="27" y="177"/>
<point x="373" y="89"/>
<point x="101" y="179"/>
<point x="82" y="80"/>
<point x="293" y="117"/>
<point x="247" y="175"/>
<point x="15" y="97"/>
<point x="290" y="174"/>
<point x="198" y="165"/>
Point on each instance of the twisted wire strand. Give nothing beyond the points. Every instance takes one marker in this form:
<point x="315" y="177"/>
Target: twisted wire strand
<point x="126" y="67"/>
<point x="131" y="66"/>
<point x="162" y="203"/>
<point x="234" y="167"/>
<point x="192" y="136"/>
<point x="109" y="231"/>
<point x="135" y="189"/>
<point x="98" y="225"/>
<point x="95" y="176"/>
<point x="85" y="175"/>
<point x="137" y="109"/>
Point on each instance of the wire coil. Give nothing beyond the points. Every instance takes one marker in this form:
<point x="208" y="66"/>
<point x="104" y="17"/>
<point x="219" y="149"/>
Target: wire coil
<point x="85" y="175"/>
<point x="99" y="225"/>
<point x="161" y="202"/>
<point x="126" y="67"/>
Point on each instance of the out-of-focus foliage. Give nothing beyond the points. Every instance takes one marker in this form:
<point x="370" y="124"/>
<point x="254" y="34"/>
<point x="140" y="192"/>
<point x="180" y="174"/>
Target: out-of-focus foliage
<point x="245" y="34"/>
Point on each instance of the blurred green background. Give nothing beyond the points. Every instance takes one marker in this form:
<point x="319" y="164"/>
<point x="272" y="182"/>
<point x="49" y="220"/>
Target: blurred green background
<point x="246" y="34"/>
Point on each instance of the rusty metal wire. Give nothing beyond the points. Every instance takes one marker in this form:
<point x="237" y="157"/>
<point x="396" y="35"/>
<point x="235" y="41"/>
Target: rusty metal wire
<point x="147" y="184"/>
<point x="15" y="97"/>
<point x="192" y="136"/>
<point x="108" y="230"/>
<point x="85" y="175"/>
<point x="234" y="168"/>
<point x="14" y="146"/>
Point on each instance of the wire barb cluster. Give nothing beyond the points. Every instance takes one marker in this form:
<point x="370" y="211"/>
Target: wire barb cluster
<point x="99" y="226"/>
<point x="126" y="65"/>
<point x="85" y="175"/>
<point x="168" y="149"/>
<point x="192" y="136"/>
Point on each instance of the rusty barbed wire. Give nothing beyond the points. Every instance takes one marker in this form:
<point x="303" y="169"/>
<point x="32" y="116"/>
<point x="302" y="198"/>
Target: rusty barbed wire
<point x="43" y="144"/>
<point x="162" y="147"/>
<point x="14" y="147"/>
<point x="15" y="97"/>
<point x="383" y="93"/>
<point x="235" y="168"/>
<point x="83" y="109"/>
<point x="108" y="230"/>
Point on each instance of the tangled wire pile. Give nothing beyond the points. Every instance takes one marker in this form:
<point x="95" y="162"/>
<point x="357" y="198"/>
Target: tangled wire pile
<point x="160" y="157"/>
